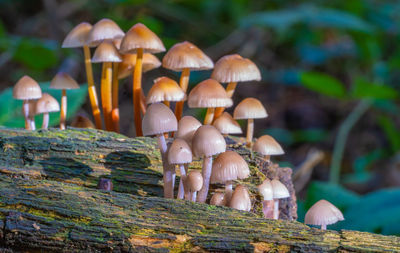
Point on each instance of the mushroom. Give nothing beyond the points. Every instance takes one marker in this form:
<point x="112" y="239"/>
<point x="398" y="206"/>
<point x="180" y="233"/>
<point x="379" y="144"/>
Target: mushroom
<point x="208" y="94"/>
<point x="64" y="82"/>
<point x="82" y="121"/>
<point x="227" y="125"/>
<point x="240" y="199"/>
<point x="26" y="89"/>
<point x="185" y="57"/>
<point x="218" y="199"/>
<point x="229" y="166"/>
<point x="266" y="192"/>
<point x="32" y="113"/>
<point x="159" y="119"/>
<point x="232" y="69"/>
<point x="44" y="105"/>
<point x="194" y="184"/>
<point x="266" y="145"/>
<point x="165" y="90"/>
<point x="279" y="191"/>
<point x="207" y="141"/>
<point x="187" y="126"/>
<point x="323" y="213"/>
<point x="250" y="109"/>
<point x="180" y="153"/>
<point x="77" y="37"/>
<point x="140" y="39"/>
<point x="105" y="184"/>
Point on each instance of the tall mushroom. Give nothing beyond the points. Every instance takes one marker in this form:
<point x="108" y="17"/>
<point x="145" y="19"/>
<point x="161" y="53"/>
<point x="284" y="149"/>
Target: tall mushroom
<point x="194" y="184"/>
<point x="279" y="191"/>
<point x="207" y="141"/>
<point x="227" y="125"/>
<point x="266" y="192"/>
<point x="240" y="199"/>
<point x="250" y="109"/>
<point x="159" y="119"/>
<point x="185" y="57"/>
<point x="165" y="90"/>
<point x="45" y="105"/>
<point x="323" y="213"/>
<point x="140" y="39"/>
<point x="266" y="145"/>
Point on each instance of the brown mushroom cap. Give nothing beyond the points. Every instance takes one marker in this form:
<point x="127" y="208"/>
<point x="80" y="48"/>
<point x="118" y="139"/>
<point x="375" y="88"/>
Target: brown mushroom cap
<point x="104" y="30"/>
<point x="194" y="181"/>
<point x="229" y="166"/>
<point x="63" y="81"/>
<point x="81" y="121"/>
<point x="208" y="93"/>
<point x="186" y="55"/>
<point x="227" y="125"/>
<point x="106" y="52"/>
<point x="240" y="199"/>
<point x="208" y="141"/>
<point x="279" y="190"/>
<point x="234" y="68"/>
<point x="78" y="36"/>
<point x="139" y="36"/>
<point x="267" y="145"/>
<point x="26" y="88"/>
<point x="165" y="89"/>
<point x="179" y="152"/>
<point x="128" y="63"/>
<point x="323" y="213"/>
<point x="158" y="119"/>
<point x="187" y="126"/>
<point x="265" y="189"/>
<point x="250" y="108"/>
<point x="218" y="199"/>
<point x="46" y="104"/>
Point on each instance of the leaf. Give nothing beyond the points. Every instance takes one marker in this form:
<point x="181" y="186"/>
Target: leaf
<point x="323" y="84"/>
<point x="391" y="132"/>
<point x="35" y="54"/>
<point x="364" y="89"/>
<point x="11" y="109"/>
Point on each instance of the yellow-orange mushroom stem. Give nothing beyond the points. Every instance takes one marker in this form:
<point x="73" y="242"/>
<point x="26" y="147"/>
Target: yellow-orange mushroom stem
<point x="209" y="116"/>
<point x="115" y="89"/>
<point x="63" y="112"/>
<point x="137" y="90"/>
<point x="230" y="89"/>
<point x="183" y="82"/>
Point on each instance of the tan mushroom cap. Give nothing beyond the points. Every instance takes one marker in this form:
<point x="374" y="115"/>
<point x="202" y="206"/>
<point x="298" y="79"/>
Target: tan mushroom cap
<point x="165" y="89"/>
<point x="186" y="55"/>
<point x="240" y="199"/>
<point x="78" y="36"/>
<point x="267" y="145"/>
<point x="208" y="93"/>
<point x="218" y="199"/>
<point x="229" y="166"/>
<point x="179" y="152"/>
<point x="104" y="30"/>
<point x="279" y="190"/>
<point x="234" y="68"/>
<point x="26" y="88"/>
<point x="128" y="63"/>
<point x="208" y="141"/>
<point x="227" y="125"/>
<point x="250" y="108"/>
<point x="158" y="119"/>
<point x="139" y="36"/>
<point x="106" y="52"/>
<point x="194" y="181"/>
<point x="323" y="213"/>
<point x="265" y="189"/>
<point x="63" y="81"/>
<point x="46" y="104"/>
<point x="187" y="126"/>
<point x="81" y="121"/>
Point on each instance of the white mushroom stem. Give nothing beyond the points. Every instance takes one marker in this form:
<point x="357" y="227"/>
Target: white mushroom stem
<point x="228" y="191"/>
<point x="323" y="227"/>
<point x="206" y="171"/>
<point x="63" y="112"/>
<point x="268" y="209"/>
<point x="194" y="195"/>
<point x="167" y="172"/>
<point x="25" y="109"/>
<point x="267" y="158"/>
<point x="250" y="132"/>
<point x="276" y="209"/>
<point x="32" y="122"/>
<point x="181" y="191"/>
<point x="45" y="123"/>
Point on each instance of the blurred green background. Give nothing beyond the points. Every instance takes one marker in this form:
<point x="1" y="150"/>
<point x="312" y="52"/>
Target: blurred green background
<point x="330" y="81"/>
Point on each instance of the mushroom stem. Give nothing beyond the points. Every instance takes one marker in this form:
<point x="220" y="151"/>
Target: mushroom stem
<point x="183" y="82"/>
<point x="25" y="109"/>
<point x="267" y="158"/>
<point x="92" y="88"/>
<point x="268" y="209"/>
<point x="323" y="227"/>
<point x="276" y="209"/>
<point x="250" y="132"/>
<point x="166" y="103"/>
<point x="230" y="89"/>
<point x="206" y="171"/>
<point x="167" y="172"/>
<point x="45" y="123"/>
<point x="142" y="103"/>
<point x="106" y="91"/>
<point x="209" y="116"/>
<point x="63" y="112"/>
<point x="137" y="90"/>
<point x="32" y="122"/>
<point x="194" y="196"/>
<point x="115" y="88"/>
<point x="181" y="191"/>
<point x="228" y="191"/>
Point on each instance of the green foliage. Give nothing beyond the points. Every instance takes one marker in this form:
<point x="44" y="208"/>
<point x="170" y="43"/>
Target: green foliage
<point x="364" y="89"/>
<point x="324" y="84"/>
<point x="36" y="54"/>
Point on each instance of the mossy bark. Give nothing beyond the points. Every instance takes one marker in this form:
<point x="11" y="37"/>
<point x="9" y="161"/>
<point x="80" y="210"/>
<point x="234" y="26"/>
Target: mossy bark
<point x="49" y="201"/>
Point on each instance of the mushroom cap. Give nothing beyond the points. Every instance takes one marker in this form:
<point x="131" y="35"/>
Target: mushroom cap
<point x="229" y="166"/>
<point x="46" y="104"/>
<point x="218" y="199"/>
<point x="265" y="189"/>
<point x="104" y="30"/>
<point x="187" y="126"/>
<point x="128" y="63"/>
<point x="158" y="119"/>
<point x="279" y="190"/>
<point x="323" y="213"/>
<point x="78" y="36"/>
<point x="165" y="89"/>
<point x="227" y="125"/>
<point x="208" y="93"/>
<point x="63" y="81"/>
<point x="106" y="52"/>
<point x="26" y="88"/>
<point x="139" y="36"/>
<point x="82" y="121"/>
<point x="250" y="108"/>
<point x="186" y="55"/>
<point x="194" y="181"/>
<point x="234" y="68"/>
<point x="208" y="141"/>
<point x="179" y="152"/>
<point x="267" y="145"/>
<point x="240" y="199"/>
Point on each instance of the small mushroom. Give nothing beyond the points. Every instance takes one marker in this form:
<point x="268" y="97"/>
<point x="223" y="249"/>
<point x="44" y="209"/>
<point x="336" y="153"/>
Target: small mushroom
<point x="227" y="125"/>
<point x="266" y="145"/>
<point x="241" y="199"/>
<point x="187" y="126"/>
<point x="81" y="121"/>
<point x="165" y="90"/>
<point x="218" y="199"/>
<point x="266" y="192"/>
<point x="45" y="105"/>
<point x="279" y="191"/>
<point x="323" y="213"/>
<point x="194" y="184"/>
<point x="105" y="184"/>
